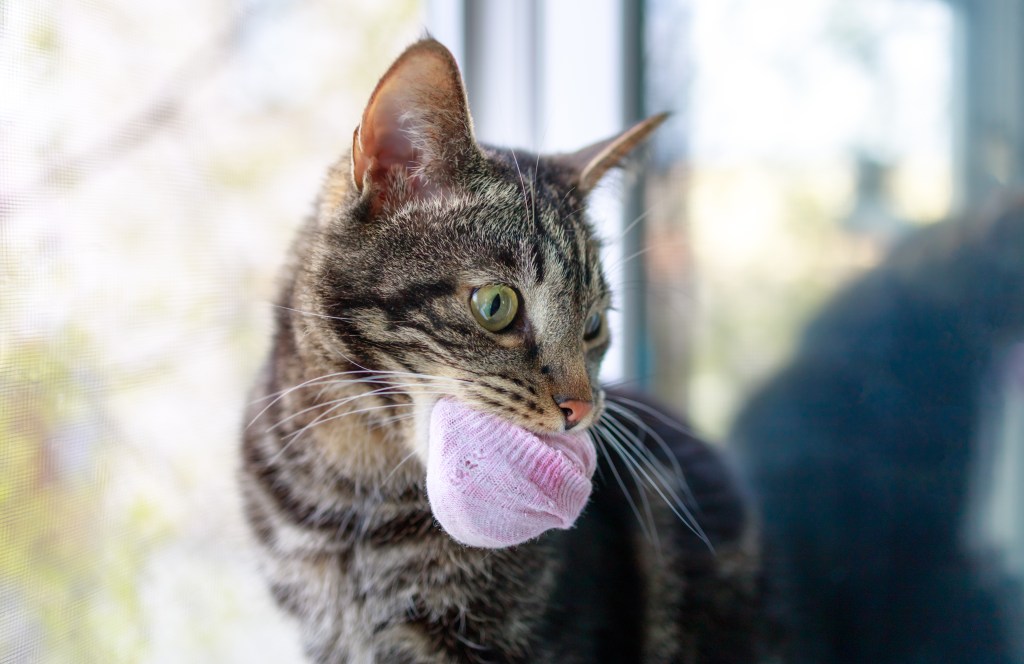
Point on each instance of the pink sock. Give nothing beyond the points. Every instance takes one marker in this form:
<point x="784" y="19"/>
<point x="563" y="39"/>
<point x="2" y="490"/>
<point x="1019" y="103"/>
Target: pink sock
<point x="492" y="484"/>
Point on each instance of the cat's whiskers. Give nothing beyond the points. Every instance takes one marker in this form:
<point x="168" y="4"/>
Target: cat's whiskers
<point x="622" y="438"/>
<point x="277" y="396"/>
<point x="331" y="379"/>
<point x="389" y="388"/>
<point x="628" y="447"/>
<point x="391" y="381"/>
<point x="617" y="410"/>
<point x="356" y="364"/>
<point x="625" y="231"/>
<point x="600" y="435"/>
<point x="678" y="298"/>
<point x="389" y="377"/>
<point x="323" y="420"/>
<point x="643" y="454"/>
<point x="397" y="466"/>
<point x="530" y="210"/>
<point x="403" y="389"/>
<point x="621" y="263"/>
<point x="668" y="421"/>
<point x="388" y="421"/>
<point x="652" y="529"/>
<point x="340" y="401"/>
<point x="610" y="440"/>
<point x="313" y="314"/>
<point x="293" y="437"/>
<point x="637" y="450"/>
<point x="369" y="373"/>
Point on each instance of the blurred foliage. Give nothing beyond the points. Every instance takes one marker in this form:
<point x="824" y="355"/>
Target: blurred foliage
<point x="148" y="191"/>
<point x="50" y="500"/>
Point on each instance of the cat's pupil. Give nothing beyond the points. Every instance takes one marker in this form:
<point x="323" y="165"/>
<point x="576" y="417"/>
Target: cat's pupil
<point x="495" y="305"/>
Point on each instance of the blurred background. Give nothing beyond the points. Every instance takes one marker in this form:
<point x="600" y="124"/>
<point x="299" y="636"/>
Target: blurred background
<point x="155" y="159"/>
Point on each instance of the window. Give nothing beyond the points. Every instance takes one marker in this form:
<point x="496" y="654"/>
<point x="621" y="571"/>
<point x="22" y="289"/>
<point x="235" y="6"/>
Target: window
<point x="155" y="159"/>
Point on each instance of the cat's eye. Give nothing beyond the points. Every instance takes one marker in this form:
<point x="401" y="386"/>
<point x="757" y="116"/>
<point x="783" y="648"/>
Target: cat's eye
<point x="592" y="326"/>
<point x="494" y="306"/>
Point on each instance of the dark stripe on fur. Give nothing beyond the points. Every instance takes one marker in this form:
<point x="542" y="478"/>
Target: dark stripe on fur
<point x="461" y="634"/>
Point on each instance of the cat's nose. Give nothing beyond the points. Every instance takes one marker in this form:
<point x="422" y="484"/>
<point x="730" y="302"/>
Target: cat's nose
<point x="574" y="410"/>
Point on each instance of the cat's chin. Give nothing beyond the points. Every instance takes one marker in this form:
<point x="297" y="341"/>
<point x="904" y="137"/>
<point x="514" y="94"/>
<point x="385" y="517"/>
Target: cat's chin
<point x="493" y="484"/>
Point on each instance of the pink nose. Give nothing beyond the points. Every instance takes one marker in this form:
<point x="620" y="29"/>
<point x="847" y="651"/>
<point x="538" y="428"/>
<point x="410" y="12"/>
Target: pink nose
<point x="574" y="410"/>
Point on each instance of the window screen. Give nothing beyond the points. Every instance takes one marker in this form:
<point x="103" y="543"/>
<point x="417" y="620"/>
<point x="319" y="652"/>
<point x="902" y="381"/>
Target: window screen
<point x="154" y="160"/>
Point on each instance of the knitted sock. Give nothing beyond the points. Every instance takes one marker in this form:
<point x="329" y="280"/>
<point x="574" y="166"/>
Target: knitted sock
<point x="492" y="484"/>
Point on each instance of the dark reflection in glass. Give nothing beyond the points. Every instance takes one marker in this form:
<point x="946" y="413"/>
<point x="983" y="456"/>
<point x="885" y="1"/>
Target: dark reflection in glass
<point x="807" y="305"/>
<point x="887" y="453"/>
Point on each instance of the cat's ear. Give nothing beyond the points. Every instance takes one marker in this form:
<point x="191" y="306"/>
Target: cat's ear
<point x="592" y="162"/>
<point x="416" y="132"/>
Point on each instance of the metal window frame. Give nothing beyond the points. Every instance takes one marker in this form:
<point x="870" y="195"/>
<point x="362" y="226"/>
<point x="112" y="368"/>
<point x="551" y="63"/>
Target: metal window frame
<point x="988" y="100"/>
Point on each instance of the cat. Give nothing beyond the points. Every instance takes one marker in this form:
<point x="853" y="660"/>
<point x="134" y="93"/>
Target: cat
<point x="863" y="450"/>
<point x="450" y="295"/>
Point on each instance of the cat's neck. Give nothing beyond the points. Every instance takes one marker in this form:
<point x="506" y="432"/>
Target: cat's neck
<point x="340" y="425"/>
<point x="353" y="440"/>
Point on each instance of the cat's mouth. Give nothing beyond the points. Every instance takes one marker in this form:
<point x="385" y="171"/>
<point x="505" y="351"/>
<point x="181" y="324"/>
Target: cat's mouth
<point x="494" y="484"/>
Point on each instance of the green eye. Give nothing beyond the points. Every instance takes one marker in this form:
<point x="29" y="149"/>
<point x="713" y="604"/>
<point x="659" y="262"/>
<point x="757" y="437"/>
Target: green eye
<point x="494" y="306"/>
<point x="592" y="327"/>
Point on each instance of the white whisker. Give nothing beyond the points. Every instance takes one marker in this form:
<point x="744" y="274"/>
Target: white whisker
<point x="668" y="421"/>
<point x="641" y="492"/>
<point x="653" y="463"/>
<point x="622" y="262"/>
<point x="678" y="508"/>
<point x="526" y="196"/>
<point x="373" y="377"/>
<point x="602" y="436"/>
<point x="341" y="401"/>
<point x="627" y="438"/>
<point x="293" y="437"/>
<point x="320" y="419"/>
<point x="283" y="393"/>
<point x="399" y="465"/>
<point x="631" y="225"/>
<point x="617" y="409"/>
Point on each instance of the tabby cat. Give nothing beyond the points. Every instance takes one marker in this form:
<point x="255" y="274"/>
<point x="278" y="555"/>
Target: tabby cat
<point x="443" y="276"/>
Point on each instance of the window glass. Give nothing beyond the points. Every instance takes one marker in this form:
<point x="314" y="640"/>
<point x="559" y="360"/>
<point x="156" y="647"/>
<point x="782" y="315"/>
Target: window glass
<point x="804" y="143"/>
<point x="835" y="284"/>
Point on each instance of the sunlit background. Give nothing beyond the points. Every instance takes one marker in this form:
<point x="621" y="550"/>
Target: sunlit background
<point x="155" y="159"/>
<point x="812" y="138"/>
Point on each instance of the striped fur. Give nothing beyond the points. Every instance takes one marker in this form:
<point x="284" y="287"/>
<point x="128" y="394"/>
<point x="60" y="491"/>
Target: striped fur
<point x="373" y="326"/>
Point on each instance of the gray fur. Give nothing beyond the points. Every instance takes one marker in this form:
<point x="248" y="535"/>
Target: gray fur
<point x="373" y="327"/>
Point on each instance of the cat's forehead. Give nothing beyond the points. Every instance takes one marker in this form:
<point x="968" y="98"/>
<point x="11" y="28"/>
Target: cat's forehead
<point x="518" y="222"/>
<point x="535" y="221"/>
<point x="542" y="180"/>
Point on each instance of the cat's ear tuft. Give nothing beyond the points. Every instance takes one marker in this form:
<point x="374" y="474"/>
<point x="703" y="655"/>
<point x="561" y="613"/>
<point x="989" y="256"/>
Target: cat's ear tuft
<point x="416" y="132"/>
<point x="592" y="162"/>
